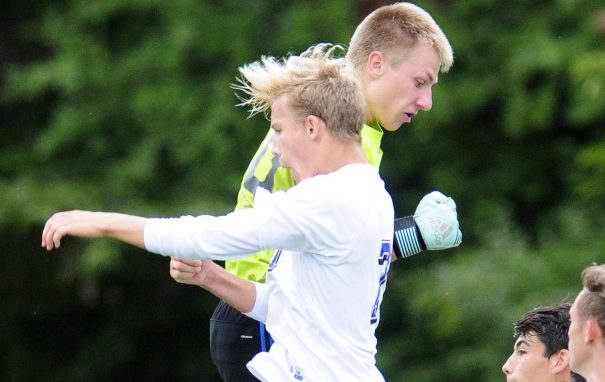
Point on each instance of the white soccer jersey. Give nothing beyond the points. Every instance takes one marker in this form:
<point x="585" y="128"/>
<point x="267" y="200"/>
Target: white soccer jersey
<point x="324" y="287"/>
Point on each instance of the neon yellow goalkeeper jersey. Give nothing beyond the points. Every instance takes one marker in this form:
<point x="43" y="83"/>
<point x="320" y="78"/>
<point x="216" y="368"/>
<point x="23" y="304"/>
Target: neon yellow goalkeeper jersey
<point x="264" y="171"/>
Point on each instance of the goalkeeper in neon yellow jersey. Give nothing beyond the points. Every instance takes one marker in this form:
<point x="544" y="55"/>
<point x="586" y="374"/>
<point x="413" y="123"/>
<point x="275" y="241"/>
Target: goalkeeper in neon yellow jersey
<point x="397" y="52"/>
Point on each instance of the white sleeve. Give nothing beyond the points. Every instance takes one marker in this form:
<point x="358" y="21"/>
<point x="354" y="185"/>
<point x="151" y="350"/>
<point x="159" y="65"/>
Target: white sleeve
<point x="291" y="221"/>
<point x="259" y="311"/>
<point x="205" y="237"/>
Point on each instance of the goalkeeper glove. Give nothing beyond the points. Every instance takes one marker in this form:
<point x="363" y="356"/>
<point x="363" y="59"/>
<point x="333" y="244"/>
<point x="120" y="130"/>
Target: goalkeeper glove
<point x="434" y="226"/>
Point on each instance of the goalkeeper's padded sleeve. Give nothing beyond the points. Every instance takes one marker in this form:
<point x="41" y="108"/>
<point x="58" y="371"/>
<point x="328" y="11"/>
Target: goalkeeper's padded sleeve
<point x="407" y="240"/>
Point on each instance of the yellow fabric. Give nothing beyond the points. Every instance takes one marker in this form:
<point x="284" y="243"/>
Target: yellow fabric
<point x="264" y="171"/>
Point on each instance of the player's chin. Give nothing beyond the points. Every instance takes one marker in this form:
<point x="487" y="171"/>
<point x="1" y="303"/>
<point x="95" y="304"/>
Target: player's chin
<point x="393" y="126"/>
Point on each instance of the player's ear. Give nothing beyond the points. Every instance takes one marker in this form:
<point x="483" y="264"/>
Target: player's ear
<point x="593" y="331"/>
<point x="560" y="362"/>
<point x="376" y="63"/>
<point x="313" y="125"/>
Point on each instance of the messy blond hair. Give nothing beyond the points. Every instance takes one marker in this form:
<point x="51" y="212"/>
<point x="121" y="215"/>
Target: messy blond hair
<point x="317" y="82"/>
<point x="394" y="29"/>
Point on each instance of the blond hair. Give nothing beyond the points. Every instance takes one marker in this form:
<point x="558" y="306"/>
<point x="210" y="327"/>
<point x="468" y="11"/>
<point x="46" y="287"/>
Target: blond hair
<point x="317" y="82"/>
<point x="394" y="29"/>
<point x="592" y="304"/>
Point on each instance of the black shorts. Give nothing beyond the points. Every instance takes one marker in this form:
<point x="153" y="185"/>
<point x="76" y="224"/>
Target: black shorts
<point x="234" y="340"/>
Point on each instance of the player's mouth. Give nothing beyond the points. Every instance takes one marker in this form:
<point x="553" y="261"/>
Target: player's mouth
<point x="408" y="117"/>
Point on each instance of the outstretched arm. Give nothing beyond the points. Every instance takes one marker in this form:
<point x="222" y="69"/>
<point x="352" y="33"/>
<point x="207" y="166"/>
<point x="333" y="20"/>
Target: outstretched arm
<point x="127" y="228"/>
<point x="193" y="237"/>
<point x="237" y="292"/>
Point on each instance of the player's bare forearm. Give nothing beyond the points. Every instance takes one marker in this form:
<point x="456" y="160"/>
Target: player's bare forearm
<point x="127" y="228"/>
<point x="237" y="292"/>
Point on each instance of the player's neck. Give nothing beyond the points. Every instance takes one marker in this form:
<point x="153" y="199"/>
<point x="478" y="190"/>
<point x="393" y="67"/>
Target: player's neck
<point x="340" y="155"/>
<point x="596" y="367"/>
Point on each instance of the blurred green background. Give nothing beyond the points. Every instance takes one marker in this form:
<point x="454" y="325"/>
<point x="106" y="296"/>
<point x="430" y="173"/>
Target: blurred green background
<point x="125" y="105"/>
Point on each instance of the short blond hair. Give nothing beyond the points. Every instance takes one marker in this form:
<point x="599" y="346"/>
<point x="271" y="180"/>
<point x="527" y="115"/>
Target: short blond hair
<point x="317" y="82"/>
<point x="394" y="29"/>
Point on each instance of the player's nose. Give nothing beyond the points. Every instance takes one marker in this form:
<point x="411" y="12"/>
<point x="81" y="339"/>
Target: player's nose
<point x="425" y="102"/>
<point x="507" y="367"/>
<point x="274" y="148"/>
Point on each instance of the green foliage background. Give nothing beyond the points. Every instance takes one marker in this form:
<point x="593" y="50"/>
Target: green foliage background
<point x="125" y="105"/>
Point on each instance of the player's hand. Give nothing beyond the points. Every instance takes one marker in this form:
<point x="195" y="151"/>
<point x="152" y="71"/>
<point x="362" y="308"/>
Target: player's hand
<point x="76" y="223"/>
<point x="193" y="272"/>
<point x="437" y="220"/>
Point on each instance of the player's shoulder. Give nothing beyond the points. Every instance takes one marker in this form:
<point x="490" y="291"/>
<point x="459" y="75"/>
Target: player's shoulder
<point x="347" y="184"/>
<point x="356" y="174"/>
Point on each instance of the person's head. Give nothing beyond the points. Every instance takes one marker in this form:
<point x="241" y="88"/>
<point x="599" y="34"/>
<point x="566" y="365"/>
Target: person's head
<point x="540" y="352"/>
<point x="315" y="103"/>
<point x="397" y="51"/>
<point x="587" y="328"/>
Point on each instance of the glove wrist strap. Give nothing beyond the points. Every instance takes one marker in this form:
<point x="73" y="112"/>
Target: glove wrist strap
<point x="407" y="240"/>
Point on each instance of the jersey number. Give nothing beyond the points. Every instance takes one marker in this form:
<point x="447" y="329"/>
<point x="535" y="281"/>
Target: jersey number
<point x="384" y="260"/>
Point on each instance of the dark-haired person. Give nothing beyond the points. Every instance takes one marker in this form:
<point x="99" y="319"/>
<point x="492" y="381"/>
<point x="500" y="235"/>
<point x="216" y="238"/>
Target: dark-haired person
<point x="540" y="352"/>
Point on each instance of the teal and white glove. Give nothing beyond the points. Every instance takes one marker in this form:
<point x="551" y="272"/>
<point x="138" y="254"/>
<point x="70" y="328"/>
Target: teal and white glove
<point x="427" y="229"/>
<point x="437" y="221"/>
